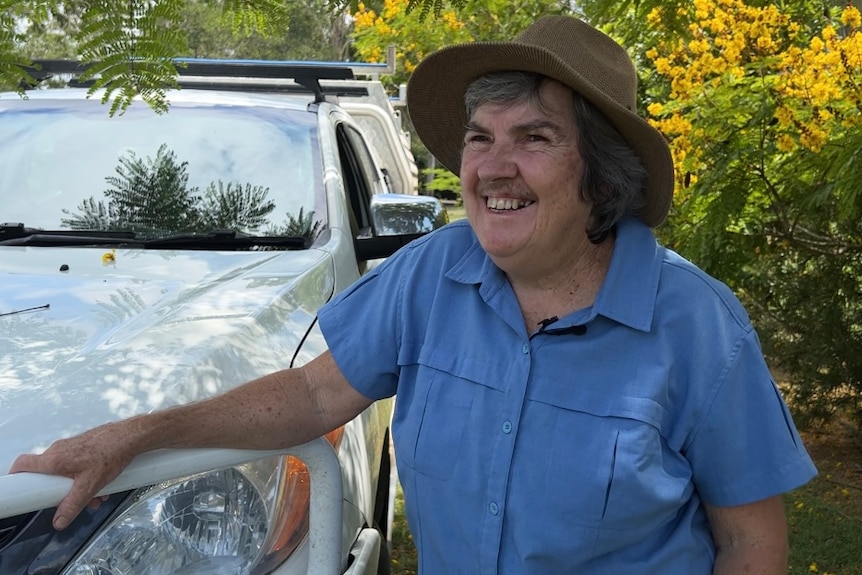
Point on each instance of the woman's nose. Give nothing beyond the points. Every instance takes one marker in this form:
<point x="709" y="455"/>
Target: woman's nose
<point x="496" y="162"/>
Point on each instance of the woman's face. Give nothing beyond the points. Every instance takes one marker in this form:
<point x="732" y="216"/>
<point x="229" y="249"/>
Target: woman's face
<point x="521" y="173"/>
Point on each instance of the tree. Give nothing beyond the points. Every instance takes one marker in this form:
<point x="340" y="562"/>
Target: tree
<point x="152" y="196"/>
<point x="312" y="31"/>
<point x="414" y="34"/>
<point x="129" y="46"/>
<point x="763" y="111"/>
<point x="50" y="35"/>
<point x="400" y="23"/>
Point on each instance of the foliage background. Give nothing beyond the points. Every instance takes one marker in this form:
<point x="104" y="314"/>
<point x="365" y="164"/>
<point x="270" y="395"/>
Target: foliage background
<point x="763" y="110"/>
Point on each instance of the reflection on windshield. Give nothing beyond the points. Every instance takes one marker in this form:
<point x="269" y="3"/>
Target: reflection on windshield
<point x="65" y="164"/>
<point x="153" y="196"/>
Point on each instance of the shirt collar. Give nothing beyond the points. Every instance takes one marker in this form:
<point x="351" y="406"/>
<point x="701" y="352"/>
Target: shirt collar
<point x="474" y="267"/>
<point x="628" y="294"/>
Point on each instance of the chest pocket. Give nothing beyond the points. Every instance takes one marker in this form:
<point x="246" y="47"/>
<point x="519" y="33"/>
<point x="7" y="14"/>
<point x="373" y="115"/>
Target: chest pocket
<point x="436" y="392"/>
<point x="605" y="459"/>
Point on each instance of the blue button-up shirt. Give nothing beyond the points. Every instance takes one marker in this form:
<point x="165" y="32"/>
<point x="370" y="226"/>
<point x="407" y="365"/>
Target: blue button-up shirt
<point x="588" y="451"/>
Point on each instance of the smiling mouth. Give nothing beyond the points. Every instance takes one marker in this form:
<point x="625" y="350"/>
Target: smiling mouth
<point x="503" y="204"/>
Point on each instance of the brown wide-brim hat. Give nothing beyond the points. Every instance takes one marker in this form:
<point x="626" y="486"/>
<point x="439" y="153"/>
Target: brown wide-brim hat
<point x="560" y="47"/>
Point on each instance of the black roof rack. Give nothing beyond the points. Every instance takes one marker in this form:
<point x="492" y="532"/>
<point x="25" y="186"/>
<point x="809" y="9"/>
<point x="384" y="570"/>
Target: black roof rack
<point x="305" y="73"/>
<point x="226" y="85"/>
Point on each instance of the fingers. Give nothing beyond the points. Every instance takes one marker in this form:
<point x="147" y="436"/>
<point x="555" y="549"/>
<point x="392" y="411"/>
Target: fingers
<point x="72" y="505"/>
<point x="87" y="483"/>
<point x="91" y="460"/>
<point x="27" y="462"/>
<point x="96" y="502"/>
<point x="79" y="496"/>
<point x="83" y="494"/>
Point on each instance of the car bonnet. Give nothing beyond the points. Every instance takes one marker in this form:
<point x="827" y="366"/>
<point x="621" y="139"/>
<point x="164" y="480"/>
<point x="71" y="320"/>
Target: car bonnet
<point x="93" y="335"/>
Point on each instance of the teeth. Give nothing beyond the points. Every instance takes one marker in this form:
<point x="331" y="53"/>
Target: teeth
<point x="506" y="203"/>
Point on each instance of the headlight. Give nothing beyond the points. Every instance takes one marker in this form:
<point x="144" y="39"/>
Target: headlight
<point x="223" y="522"/>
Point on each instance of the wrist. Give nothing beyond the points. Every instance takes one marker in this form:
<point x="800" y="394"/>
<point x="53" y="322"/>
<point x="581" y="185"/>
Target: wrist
<point x="147" y="432"/>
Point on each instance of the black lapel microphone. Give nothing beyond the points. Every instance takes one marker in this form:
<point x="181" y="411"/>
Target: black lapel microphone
<point x="573" y="329"/>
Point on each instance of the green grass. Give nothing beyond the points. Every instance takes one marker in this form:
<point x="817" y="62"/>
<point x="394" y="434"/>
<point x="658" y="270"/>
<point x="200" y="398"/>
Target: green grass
<point x="403" y="552"/>
<point x="824" y="517"/>
<point x="825" y="535"/>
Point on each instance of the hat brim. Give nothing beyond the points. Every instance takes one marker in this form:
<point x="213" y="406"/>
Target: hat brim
<point x="435" y="99"/>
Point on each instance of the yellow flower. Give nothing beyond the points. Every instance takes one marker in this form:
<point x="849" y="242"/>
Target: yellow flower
<point x="698" y="46"/>
<point x="765" y="43"/>
<point x="655" y="108"/>
<point x="704" y="5"/>
<point x="817" y="44"/>
<point x="793" y="29"/>
<point x="786" y="144"/>
<point x="680" y="150"/>
<point x="662" y="66"/>
<point x="813" y="137"/>
<point x="851" y="16"/>
<point x="813" y="567"/>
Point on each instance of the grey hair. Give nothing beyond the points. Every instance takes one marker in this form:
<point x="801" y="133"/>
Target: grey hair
<point x="614" y="179"/>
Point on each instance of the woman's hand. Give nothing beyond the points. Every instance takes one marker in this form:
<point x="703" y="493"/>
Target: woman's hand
<point x="92" y="460"/>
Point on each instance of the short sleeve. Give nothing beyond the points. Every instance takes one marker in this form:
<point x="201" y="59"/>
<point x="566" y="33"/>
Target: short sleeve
<point x="747" y="448"/>
<point x="360" y="326"/>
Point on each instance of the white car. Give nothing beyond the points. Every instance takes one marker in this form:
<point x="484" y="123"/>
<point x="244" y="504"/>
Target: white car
<point x="151" y="260"/>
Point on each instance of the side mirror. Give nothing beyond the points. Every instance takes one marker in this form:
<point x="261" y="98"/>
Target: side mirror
<point x="397" y="220"/>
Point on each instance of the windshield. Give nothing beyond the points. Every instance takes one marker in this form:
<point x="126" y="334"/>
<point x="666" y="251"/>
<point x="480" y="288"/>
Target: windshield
<point x="67" y="165"/>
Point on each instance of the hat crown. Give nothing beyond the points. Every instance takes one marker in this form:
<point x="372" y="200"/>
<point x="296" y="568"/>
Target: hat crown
<point x="595" y="57"/>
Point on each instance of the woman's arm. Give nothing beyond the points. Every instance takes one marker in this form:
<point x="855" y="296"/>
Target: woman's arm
<point x="750" y="539"/>
<point x="279" y="410"/>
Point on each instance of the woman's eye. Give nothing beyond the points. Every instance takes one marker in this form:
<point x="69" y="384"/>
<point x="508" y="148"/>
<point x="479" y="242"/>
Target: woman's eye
<point x="478" y="142"/>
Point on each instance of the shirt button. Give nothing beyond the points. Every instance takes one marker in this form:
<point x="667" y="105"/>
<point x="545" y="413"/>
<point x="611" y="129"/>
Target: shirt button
<point x="493" y="508"/>
<point x="507" y="427"/>
<point x="526" y="348"/>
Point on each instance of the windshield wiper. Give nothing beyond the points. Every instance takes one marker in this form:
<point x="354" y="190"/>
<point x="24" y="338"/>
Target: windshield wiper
<point x="17" y="234"/>
<point x="225" y="240"/>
